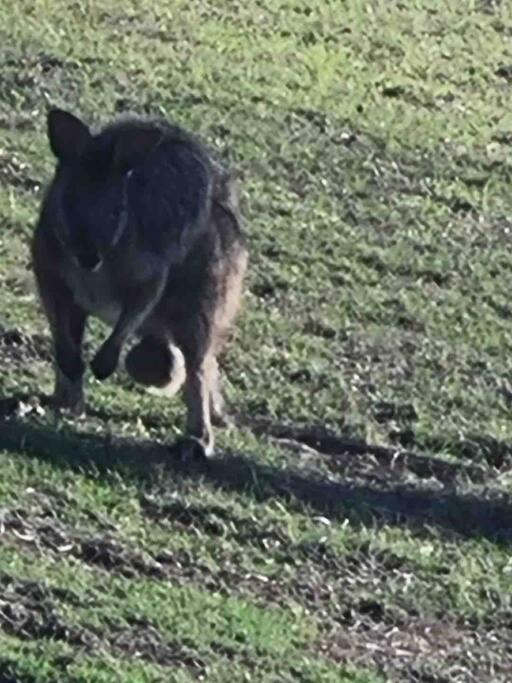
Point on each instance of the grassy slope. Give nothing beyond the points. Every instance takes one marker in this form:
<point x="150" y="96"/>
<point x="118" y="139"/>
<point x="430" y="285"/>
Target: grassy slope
<point x="374" y="139"/>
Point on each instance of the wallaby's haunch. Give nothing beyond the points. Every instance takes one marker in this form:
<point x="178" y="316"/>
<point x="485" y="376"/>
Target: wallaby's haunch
<point x="140" y="228"/>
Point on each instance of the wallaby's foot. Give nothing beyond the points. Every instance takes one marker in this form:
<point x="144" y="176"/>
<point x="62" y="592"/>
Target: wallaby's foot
<point x="68" y="395"/>
<point x="190" y="449"/>
<point x="198" y="431"/>
<point x="106" y="360"/>
<point x="156" y="363"/>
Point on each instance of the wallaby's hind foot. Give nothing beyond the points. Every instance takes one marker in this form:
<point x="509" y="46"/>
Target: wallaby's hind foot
<point x="157" y="364"/>
<point x="191" y="450"/>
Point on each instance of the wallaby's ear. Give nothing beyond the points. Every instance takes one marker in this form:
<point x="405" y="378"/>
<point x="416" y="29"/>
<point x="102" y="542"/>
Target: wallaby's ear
<point x="133" y="145"/>
<point x="68" y="136"/>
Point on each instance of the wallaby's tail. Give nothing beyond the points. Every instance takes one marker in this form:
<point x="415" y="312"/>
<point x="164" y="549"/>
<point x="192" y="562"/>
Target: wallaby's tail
<point x="157" y="364"/>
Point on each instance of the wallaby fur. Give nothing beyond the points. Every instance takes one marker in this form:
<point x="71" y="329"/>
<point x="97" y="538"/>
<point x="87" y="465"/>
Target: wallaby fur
<point x="140" y="228"/>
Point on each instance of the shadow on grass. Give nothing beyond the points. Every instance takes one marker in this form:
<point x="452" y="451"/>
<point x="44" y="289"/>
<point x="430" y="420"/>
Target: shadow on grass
<point x="362" y="503"/>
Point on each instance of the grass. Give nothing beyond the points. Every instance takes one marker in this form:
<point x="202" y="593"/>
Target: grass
<point x="356" y="524"/>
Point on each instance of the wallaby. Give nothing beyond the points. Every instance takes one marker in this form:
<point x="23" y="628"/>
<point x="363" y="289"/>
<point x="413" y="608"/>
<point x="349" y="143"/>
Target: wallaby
<point x="141" y="228"/>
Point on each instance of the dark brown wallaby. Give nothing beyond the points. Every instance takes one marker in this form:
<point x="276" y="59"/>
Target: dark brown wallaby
<point x="140" y="228"/>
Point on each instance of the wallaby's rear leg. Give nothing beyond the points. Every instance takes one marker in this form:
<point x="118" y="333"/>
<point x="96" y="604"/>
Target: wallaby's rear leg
<point x="220" y="417"/>
<point x="198" y="441"/>
<point x="155" y="362"/>
<point x="67" y="324"/>
<point x="194" y="338"/>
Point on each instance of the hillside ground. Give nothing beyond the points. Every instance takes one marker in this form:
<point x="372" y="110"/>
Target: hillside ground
<point x="356" y="523"/>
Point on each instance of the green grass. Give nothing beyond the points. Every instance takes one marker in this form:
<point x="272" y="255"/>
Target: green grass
<point x="374" y="141"/>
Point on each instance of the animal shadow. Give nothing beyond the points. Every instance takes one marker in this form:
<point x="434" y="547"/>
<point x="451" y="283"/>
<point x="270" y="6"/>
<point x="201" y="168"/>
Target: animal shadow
<point x="361" y="502"/>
